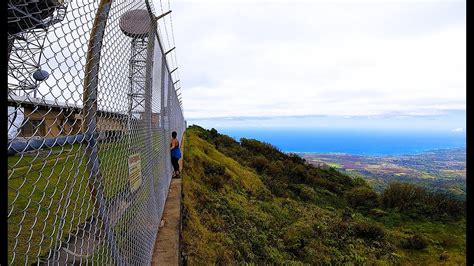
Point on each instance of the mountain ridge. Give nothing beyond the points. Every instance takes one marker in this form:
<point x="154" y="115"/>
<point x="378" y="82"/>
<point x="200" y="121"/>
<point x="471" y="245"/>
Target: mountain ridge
<point x="249" y="202"/>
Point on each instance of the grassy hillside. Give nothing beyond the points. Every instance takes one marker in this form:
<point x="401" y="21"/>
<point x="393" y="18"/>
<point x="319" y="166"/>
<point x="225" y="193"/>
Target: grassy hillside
<point x="248" y="202"/>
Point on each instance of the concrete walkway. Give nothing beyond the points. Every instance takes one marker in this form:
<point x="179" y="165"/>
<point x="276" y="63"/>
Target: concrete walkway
<point x="166" y="251"/>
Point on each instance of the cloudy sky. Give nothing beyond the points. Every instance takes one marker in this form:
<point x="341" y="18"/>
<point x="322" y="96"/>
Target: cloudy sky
<point x="259" y="63"/>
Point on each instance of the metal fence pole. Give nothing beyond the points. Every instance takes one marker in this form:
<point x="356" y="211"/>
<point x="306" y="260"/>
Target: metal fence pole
<point x="90" y="121"/>
<point x="149" y="131"/>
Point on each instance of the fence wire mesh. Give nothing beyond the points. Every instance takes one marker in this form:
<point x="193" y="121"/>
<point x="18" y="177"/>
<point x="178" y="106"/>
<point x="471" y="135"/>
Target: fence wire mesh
<point x="91" y="108"/>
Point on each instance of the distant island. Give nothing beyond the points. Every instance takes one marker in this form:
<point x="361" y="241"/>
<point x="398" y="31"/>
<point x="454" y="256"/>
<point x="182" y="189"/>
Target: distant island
<point x="443" y="170"/>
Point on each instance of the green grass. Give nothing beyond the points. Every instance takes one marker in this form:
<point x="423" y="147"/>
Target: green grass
<point x="40" y="186"/>
<point x="444" y="238"/>
<point x="334" y="165"/>
<point x="37" y="200"/>
<point x="400" y="174"/>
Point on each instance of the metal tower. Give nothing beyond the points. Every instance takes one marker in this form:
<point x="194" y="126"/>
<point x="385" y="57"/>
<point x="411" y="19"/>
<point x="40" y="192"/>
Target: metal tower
<point x="28" y="24"/>
<point x="136" y="25"/>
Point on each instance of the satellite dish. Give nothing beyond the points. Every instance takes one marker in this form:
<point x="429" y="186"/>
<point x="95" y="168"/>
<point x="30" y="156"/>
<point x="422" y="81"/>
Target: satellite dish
<point x="24" y="15"/>
<point x="135" y="23"/>
<point x="40" y="75"/>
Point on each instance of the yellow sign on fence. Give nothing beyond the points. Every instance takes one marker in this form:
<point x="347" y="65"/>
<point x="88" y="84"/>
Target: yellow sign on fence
<point x="135" y="171"/>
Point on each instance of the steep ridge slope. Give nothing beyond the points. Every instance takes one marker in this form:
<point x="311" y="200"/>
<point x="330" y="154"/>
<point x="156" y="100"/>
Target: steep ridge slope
<point x="248" y="202"/>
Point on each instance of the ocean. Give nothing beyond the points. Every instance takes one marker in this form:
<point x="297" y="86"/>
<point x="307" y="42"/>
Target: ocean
<point x="356" y="142"/>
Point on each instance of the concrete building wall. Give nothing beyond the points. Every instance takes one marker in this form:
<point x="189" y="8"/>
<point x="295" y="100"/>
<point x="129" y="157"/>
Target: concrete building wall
<point x="111" y="122"/>
<point x="48" y="123"/>
<point x="54" y="122"/>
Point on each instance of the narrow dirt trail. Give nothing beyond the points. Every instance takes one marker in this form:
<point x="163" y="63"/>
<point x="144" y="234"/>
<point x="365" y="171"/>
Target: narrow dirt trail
<point x="166" y="251"/>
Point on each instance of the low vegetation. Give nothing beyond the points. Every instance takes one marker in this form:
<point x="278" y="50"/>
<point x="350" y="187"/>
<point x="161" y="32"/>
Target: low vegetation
<point x="249" y="202"/>
<point x="49" y="194"/>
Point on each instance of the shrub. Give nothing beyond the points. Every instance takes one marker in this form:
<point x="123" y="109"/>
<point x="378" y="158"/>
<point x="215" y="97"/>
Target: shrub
<point x="215" y="175"/>
<point x="338" y="230"/>
<point x="260" y="163"/>
<point x="417" y="241"/>
<point x="368" y="231"/>
<point x="377" y="212"/>
<point x="359" y="181"/>
<point x="347" y="214"/>
<point x="362" y="197"/>
<point x="278" y="187"/>
<point x="415" y="200"/>
<point x="213" y="169"/>
<point x="296" y="158"/>
<point x="403" y="196"/>
<point x="445" y="205"/>
<point x="328" y="185"/>
<point x="443" y="256"/>
<point x="307" y="193"/>
<point x="266" y="149"/>
<point x="225" y="142"/>
<point x="346" y="182"/>
<point x="275" y="168"/>
<point x="447" y="241"/>
<point x="297" y="173"/>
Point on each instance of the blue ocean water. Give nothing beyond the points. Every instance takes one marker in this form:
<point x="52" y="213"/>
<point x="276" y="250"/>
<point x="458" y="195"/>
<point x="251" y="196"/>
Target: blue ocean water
<point x="356" y="142"/>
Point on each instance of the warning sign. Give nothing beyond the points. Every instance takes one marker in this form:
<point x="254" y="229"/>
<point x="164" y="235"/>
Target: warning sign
<point x="135" y="171"/>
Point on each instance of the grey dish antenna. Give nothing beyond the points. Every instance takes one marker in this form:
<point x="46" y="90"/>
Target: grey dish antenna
<point x="135" y="23"/>
<point x="40" y="75"/>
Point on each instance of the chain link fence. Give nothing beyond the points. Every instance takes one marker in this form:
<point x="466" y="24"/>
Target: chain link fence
<point x="91" y="108"/>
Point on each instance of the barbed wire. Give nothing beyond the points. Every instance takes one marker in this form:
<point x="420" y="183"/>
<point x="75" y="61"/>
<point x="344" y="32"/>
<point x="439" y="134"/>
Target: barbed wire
<point x="169" y="41"/>
<point x="174" y="45"/>
<point x="172" y="55"/>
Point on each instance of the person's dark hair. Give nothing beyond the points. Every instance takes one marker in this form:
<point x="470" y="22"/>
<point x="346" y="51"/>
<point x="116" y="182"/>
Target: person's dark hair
<point x="174" y="134"/>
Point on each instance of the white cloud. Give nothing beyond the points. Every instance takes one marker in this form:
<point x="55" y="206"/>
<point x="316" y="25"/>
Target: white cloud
<point x="459" y="129"/>
<point x="312" y="1"/>
<point x="287" y="58"/>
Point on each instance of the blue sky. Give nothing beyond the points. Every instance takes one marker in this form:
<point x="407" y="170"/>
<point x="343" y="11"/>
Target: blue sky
<point x="394" y="64"/>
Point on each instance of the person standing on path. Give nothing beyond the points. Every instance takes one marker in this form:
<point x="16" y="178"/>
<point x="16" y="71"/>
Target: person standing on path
<point x="175" y="154"/>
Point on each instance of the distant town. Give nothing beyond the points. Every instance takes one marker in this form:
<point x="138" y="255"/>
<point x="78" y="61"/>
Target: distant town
<point x="443" y="170"/>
